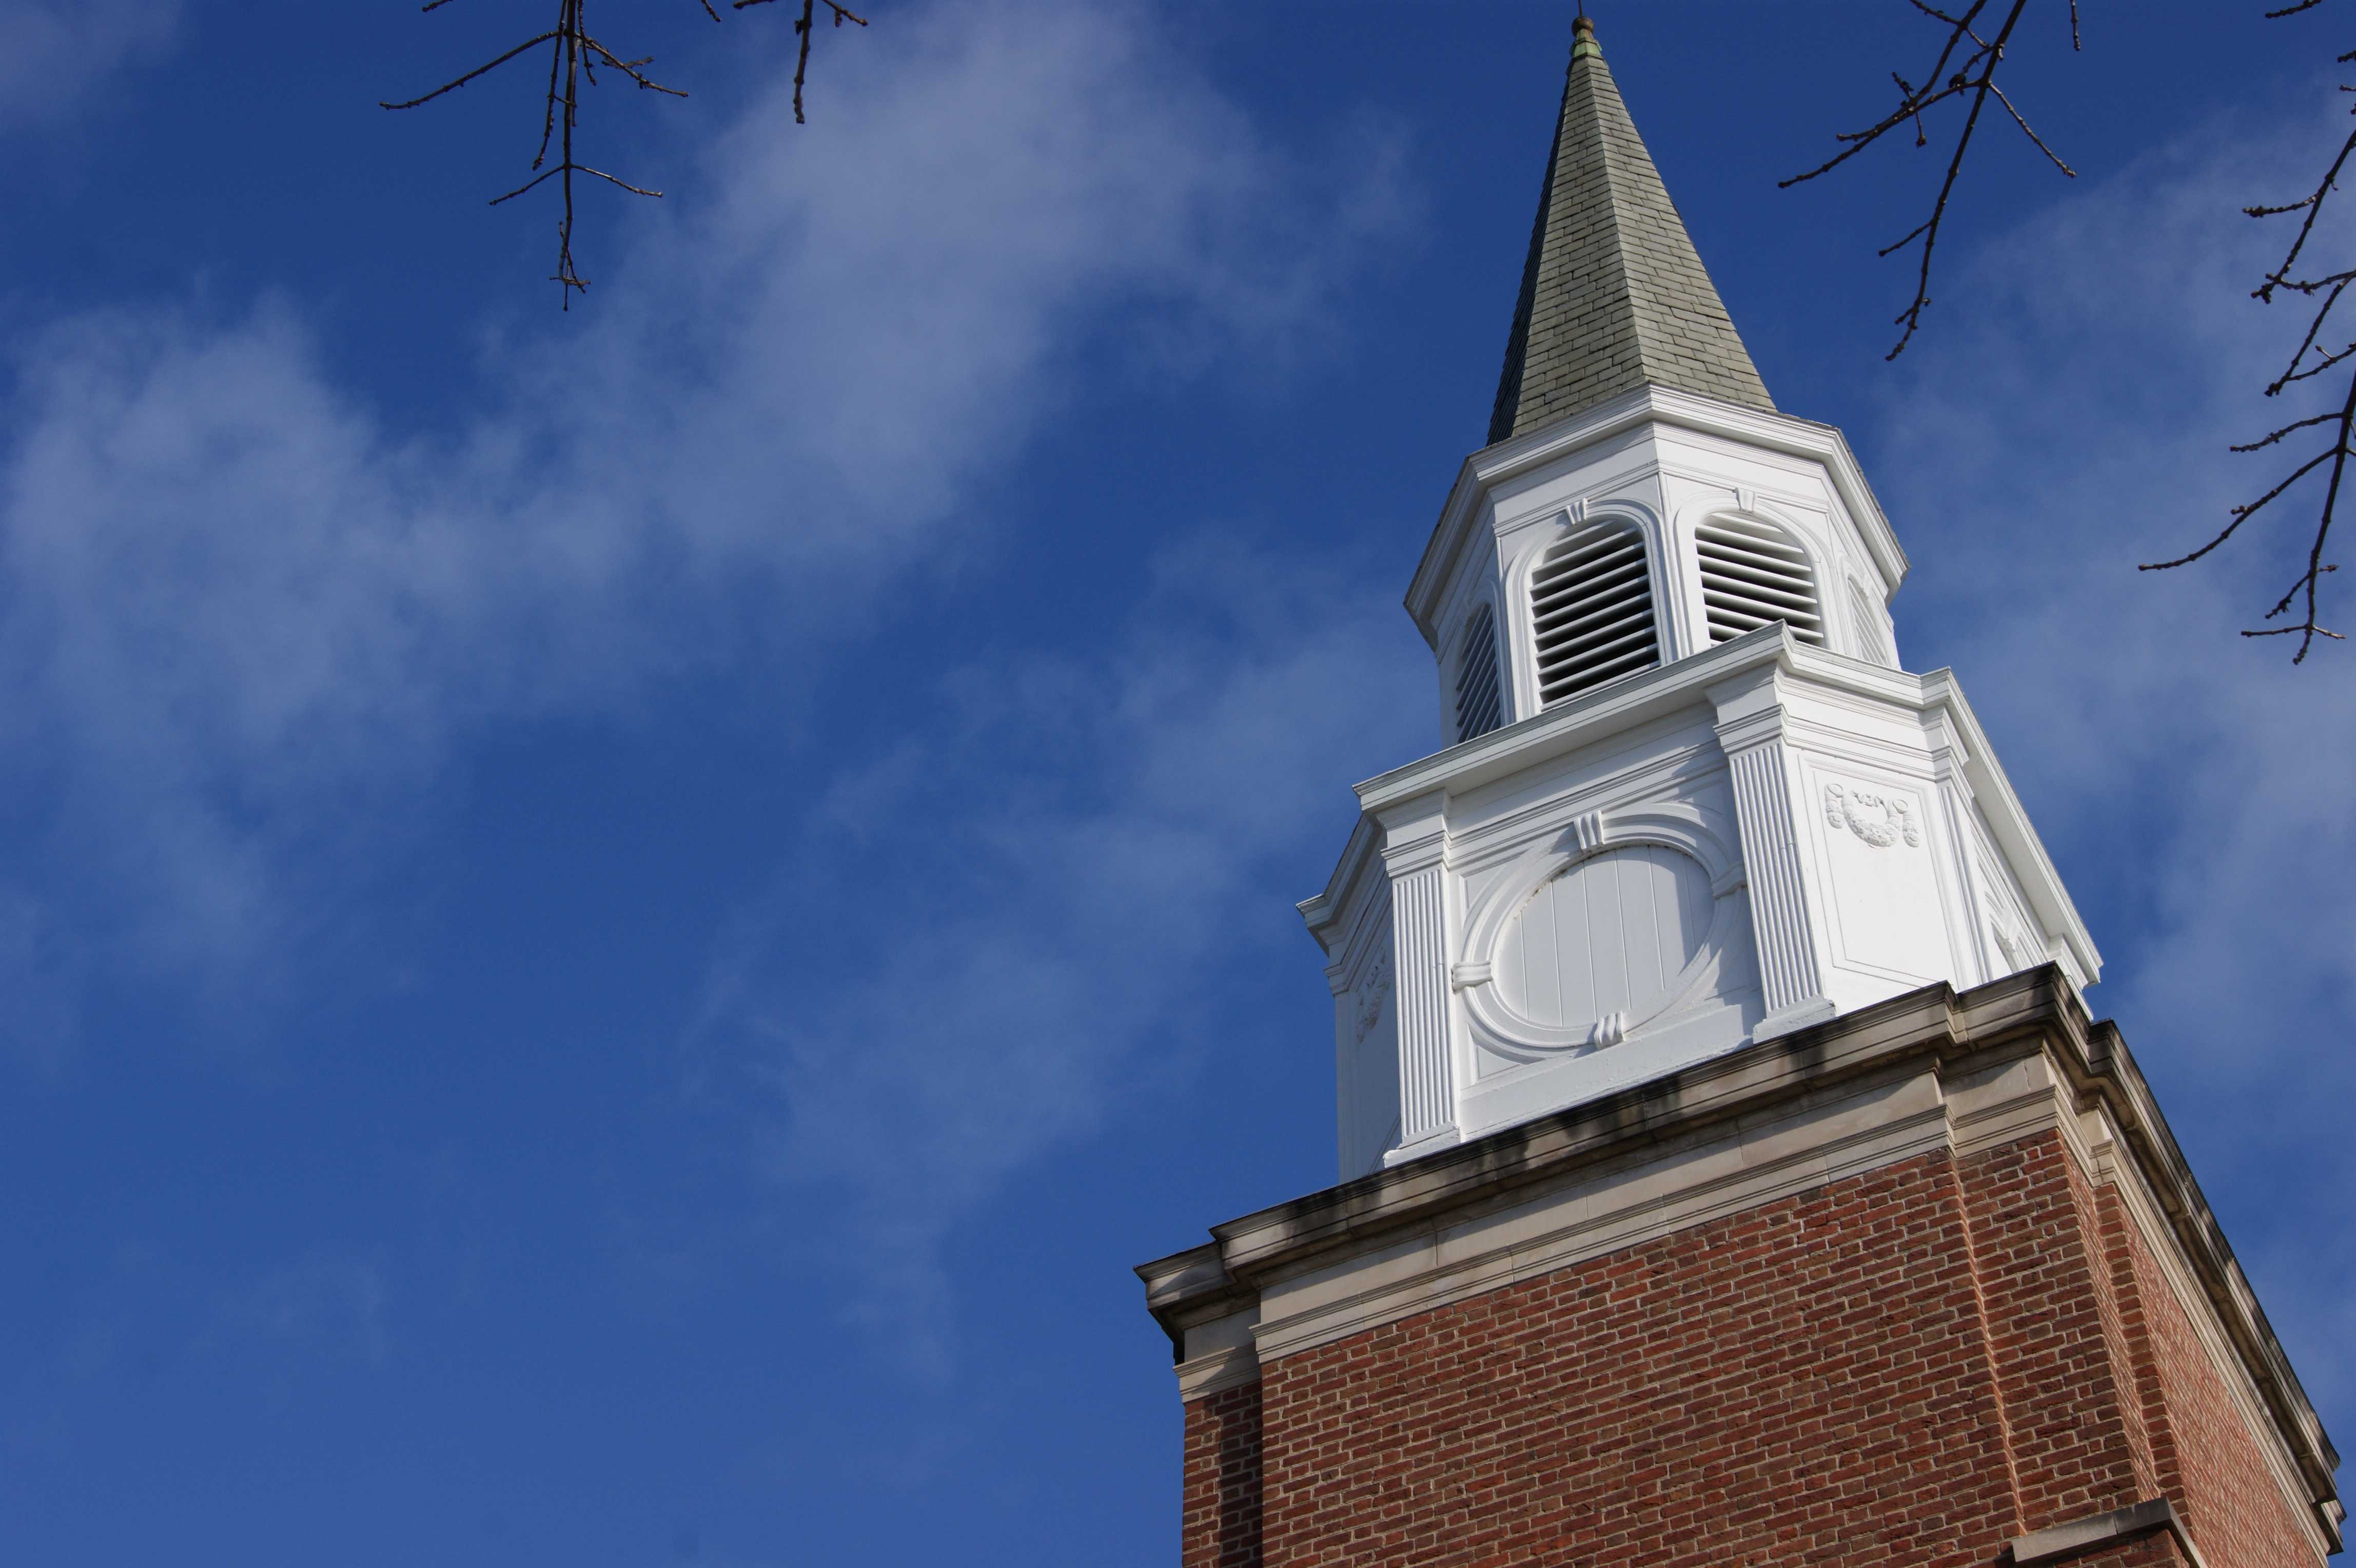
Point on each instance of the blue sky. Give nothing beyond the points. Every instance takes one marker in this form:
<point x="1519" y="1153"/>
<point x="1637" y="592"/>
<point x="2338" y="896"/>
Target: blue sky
<point x="618" y="925"/>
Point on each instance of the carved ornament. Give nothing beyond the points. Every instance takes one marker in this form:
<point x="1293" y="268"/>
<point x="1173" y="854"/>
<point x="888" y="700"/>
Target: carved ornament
<point x="1878" y="819"/>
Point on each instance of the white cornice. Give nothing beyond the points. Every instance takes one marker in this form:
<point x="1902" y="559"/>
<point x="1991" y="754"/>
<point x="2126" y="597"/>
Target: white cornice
<point x="1490" y="466"/>
<point x="1577" y="724"/>
<point x="1359" y="856"/>
<point x="2009" y="820"/>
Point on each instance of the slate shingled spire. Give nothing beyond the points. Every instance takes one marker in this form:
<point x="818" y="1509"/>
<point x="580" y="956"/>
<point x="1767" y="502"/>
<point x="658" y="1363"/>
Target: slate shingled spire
<point x="1613" y="296"/>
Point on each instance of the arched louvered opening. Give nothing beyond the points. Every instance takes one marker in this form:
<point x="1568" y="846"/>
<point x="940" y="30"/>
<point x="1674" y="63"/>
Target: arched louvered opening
<point x="1591" y="611"/>
<point x="1752" y="574"/>
<point x="1480" y="707"/>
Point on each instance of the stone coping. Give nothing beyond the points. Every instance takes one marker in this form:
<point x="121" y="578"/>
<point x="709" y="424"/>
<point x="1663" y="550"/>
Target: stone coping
<point x="2022" y="1013"/>
<point x="2059" y="1542"/>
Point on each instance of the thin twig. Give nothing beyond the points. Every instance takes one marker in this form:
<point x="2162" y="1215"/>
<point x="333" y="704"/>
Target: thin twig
<point x="1965" y="68"/>
<point x="574" y="58"/>
<point x="2307" y="361"/>
<point x="803" y="27"/>
<point x="453" y="86"/>
<point x="2312" y="205"/>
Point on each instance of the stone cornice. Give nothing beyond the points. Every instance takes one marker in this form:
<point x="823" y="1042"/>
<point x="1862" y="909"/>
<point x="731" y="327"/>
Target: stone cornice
<point x="2079" y="1537"/>
<point x="2031" y="1015"/>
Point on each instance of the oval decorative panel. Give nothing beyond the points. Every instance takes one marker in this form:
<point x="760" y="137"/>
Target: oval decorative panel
<point x="1609" y="935"/>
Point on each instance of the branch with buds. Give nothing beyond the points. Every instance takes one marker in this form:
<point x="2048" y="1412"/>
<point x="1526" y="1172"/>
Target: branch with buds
<point x="1964" y="70"/>
<point x="1969" y="60"/>
<point x="2313" y="358"/>
<point x="574" y="58"/>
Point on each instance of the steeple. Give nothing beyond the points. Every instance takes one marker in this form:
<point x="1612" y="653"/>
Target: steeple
<point x="1707" y="1014"/>
<point x="1613" y="297"/>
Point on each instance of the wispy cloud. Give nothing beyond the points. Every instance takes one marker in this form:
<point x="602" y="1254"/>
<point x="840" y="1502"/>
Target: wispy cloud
<point x="54" y="52"/>
<point x="2074" y="422"/>
<point x="331" y="1302"/>
<point x="930" y="1011"/>
<point x="981" y="938"/>
<point x="247" y="613"/>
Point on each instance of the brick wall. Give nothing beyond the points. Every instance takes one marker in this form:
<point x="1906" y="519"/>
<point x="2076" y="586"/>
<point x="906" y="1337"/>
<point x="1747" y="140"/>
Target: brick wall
<point x="2079" y="1443"/>
<point x="1222" y="1515"/>
<point x="1910" y="1366"/>
<point x="2208" y="1462"/>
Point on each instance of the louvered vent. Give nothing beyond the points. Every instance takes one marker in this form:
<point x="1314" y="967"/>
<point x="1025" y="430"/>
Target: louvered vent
<point x="1591" y="611"/>
<point x="1752" y="574"/>
<point x="1478" y="707"/>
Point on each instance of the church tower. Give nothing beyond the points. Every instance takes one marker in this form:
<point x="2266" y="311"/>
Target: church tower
<point x="1731" y="1171"/>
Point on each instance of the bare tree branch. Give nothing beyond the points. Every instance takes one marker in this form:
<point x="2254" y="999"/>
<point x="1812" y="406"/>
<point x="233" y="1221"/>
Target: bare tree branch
<point x="453" y="86"/>
<point x="802" y="29"/>
<point x="1965" y="68"/>
<point x="575" y="56"/>
<point x="2307" y="361"/>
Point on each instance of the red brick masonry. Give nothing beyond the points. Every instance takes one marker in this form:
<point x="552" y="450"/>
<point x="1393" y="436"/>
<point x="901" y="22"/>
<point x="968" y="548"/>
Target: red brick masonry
<point x="1913" y="1365"/>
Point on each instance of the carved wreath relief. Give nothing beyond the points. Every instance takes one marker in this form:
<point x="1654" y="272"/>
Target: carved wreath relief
<point x="1372" y="991"/>
<point x="1879" y="819"/>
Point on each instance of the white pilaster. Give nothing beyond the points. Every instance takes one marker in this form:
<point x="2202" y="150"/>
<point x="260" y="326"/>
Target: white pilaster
<point x="1788" y="928"/>
<point x="1415" y="855"/>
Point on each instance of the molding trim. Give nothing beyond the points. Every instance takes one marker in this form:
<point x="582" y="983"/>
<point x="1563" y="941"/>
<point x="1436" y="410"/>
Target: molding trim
<point x="1677" y="826"/>
<point x="1971" y="1071"/>
<point x="1615" y="1210"/>
<point x="2096" y="1144"/>
<point x="1760" y="428"/>
<point x="2075" y="1539"/>
<point x="1752" y="670"/>
<point x="1217" y="1371"/>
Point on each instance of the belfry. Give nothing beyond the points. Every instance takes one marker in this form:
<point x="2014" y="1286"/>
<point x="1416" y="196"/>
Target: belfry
<point x="1731" y="1172"/>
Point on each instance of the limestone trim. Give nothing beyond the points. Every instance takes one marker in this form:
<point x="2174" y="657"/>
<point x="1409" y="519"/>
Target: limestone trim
<point x="1218" y="1355"/>
<point x="2059" y="1542"/>
<point x="1217" y="1372"/>
<point x="2095" y="1141"/>
<point x="1618" y="1208"/>
<point x="1930" y="1070"/>
<point x="2200" y="1246"/>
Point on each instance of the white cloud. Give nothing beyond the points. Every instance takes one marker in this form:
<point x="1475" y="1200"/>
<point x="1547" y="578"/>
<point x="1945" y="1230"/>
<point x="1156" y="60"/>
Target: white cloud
<point x="932" y="1011"/>
<point x="2069" y="423"/>
<point x="52" y="52"/>
<point x="999" y="982"/>
<point x="246" y="613"/>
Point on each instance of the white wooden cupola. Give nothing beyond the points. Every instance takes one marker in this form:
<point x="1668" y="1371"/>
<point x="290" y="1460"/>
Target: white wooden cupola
<point x="1614" y="561"/>
<point x="1687" y="798"/>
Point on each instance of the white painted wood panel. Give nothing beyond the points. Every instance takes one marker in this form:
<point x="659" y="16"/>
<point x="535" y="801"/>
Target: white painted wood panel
<point x="1609" y="935"/>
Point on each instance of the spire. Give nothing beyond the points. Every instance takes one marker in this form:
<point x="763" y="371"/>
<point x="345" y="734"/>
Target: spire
<point x="1613" y="296"/>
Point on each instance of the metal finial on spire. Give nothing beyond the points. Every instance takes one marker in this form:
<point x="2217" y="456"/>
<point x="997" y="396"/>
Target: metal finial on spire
<point x="1582" y="35"/>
